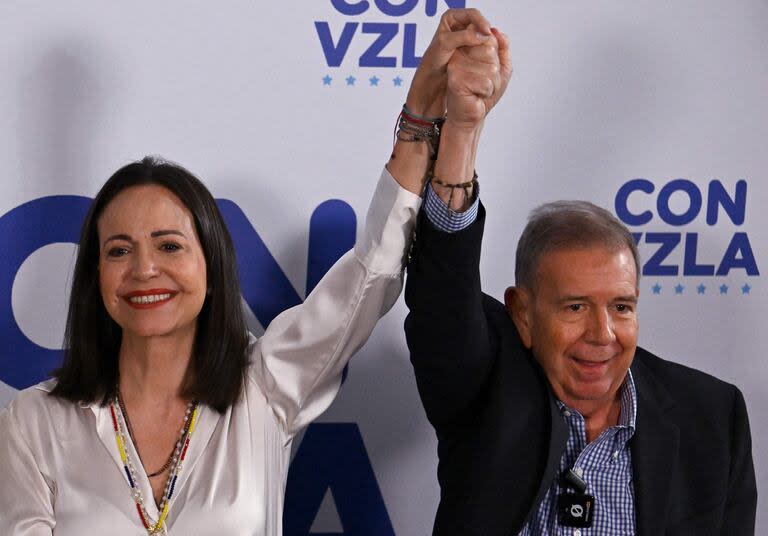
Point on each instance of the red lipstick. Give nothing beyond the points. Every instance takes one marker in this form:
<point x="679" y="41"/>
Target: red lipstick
<point x="149" y="298"/>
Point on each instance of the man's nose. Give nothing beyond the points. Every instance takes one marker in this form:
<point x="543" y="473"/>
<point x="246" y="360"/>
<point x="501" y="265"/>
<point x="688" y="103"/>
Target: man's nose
<point x="600" y="330"/>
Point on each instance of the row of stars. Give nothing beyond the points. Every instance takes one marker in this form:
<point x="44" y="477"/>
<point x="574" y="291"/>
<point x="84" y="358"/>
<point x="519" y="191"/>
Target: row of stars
<point x="701" y="289"/>
<point x="372" y="81"/>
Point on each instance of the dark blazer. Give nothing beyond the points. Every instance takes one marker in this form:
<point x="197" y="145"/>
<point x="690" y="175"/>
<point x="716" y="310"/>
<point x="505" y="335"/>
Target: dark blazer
<point x="501" y="437"/>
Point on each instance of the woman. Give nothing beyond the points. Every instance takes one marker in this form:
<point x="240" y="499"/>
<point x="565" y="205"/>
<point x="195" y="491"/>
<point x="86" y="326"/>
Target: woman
<point x="167" y="416"/>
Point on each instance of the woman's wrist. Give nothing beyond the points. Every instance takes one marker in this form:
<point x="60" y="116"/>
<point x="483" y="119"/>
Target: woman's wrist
<point x="429" y="104"/>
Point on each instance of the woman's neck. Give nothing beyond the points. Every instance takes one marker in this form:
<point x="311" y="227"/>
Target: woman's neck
<point x="153" y="369"/>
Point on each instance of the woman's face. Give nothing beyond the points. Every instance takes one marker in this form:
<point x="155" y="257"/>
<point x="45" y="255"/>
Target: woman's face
<point x="152" y="271"/>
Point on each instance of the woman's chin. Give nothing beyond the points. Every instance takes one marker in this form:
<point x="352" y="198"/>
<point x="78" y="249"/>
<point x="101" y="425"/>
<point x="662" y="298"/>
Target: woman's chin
<point x="144" y="331"/>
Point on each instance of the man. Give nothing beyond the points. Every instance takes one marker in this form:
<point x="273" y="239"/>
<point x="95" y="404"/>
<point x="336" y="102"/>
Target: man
<point x="550" y="419"/>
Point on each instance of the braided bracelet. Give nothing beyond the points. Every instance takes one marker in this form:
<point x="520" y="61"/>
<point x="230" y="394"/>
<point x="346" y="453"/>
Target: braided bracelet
<point x="412" y="127"/>
<point x="466" y="186"/>
<point x="431" y="120"/>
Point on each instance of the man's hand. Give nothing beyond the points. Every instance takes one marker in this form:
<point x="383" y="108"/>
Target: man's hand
<point x="458" y="28"/>
<point x="477" y="78"/>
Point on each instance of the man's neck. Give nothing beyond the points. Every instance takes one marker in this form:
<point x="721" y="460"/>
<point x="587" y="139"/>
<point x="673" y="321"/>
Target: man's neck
<point x="598" y="422"/>
<point x="599" y="415"/>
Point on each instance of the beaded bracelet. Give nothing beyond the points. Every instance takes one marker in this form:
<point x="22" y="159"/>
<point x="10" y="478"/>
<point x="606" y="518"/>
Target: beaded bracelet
<point x="468" y="186"/>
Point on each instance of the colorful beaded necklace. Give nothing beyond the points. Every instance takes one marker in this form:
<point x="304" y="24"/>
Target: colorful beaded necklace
<point x="174" y="452"/>
<point x="118" y="423"/>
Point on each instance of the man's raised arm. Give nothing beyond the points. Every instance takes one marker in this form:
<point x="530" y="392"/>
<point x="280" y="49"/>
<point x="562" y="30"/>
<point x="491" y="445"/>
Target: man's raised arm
<point x="446" y="328"/>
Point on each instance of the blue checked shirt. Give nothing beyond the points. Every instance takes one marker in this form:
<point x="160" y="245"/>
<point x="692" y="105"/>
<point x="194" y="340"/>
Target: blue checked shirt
<point x="444" y="218"/>
<point x="605" y="464"/>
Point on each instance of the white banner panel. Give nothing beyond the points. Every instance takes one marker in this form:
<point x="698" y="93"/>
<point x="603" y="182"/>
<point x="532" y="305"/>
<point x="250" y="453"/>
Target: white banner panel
<point x="655" y="110"/>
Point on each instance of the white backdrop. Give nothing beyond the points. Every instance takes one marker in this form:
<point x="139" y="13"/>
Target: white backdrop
<point x="246" y="95"/>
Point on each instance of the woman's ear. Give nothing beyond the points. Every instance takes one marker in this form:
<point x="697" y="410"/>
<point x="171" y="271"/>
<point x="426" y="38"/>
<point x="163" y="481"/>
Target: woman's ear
<point x="518" y="303"/>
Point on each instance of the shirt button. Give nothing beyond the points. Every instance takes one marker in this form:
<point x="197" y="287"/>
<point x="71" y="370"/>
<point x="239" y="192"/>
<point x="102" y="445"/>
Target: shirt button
<point x="567" y="413"/>
<point x="577" y="532"/>
<point x="579" y="472"/>
<point x="616" y="455"/>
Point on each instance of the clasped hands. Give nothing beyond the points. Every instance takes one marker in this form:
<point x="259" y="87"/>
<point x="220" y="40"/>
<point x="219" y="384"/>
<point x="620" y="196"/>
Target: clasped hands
<point x="464" y="71"/>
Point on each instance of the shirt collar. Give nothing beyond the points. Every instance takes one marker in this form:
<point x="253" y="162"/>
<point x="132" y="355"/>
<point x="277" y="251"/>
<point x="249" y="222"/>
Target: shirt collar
<point x="48" y="385"/>
<point x="628" y="415"/>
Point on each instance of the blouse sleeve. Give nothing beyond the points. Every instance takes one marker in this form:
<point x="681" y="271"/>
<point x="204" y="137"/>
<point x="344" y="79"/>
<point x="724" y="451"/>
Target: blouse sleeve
<point x="299" y="360"/>
<point x="26" y="500"/>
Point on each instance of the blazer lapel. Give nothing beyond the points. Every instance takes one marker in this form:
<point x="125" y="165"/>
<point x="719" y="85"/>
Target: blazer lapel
<point x="654" y="448"/>
<point x="557" y="441"/>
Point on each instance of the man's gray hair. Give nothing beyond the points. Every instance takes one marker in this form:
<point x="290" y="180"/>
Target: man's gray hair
<point x="568" y="225"/>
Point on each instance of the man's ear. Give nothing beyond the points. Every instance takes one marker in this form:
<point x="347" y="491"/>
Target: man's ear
<point x="519" y="303"/>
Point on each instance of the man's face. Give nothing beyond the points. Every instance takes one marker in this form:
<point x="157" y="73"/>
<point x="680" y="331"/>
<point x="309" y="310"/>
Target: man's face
<point x="580" y="321"/>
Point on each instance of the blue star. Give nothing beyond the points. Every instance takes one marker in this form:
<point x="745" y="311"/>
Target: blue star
<point x="723" y="289"/>
<point x="350" y="80"/>
<point x="745" y="289"/>
<point x="327" y="80"/>
<point x="656" y="288"/>
<point x="397" y="81"/>
<point x="679" y="288"/>
<point x="374" y="80"/>
<point x="701" y="288"/>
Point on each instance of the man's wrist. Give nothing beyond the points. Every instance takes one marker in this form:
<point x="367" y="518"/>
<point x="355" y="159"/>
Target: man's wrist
<point x="443" y="217"/>
<point x="457" y="153"/>
<point x="464" y="130"/>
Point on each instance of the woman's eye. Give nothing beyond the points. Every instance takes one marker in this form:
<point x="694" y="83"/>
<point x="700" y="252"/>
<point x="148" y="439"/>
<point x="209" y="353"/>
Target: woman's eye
<point x="170" y="246"/>
<point x="117" y="252"/>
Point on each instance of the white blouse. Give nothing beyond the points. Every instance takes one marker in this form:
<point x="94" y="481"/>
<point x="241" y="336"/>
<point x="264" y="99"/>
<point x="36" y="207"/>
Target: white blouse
<point x="60" y="470"/>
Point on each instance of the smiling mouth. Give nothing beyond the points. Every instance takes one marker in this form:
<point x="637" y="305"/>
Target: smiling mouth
<point x="145" y="300"/>
<point x="149" y="299"/>
<point x="590" y="364"/>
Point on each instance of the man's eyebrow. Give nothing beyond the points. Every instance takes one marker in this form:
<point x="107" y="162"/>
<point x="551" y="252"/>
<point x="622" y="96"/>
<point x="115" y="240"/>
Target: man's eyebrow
<point x="565" y="299"/>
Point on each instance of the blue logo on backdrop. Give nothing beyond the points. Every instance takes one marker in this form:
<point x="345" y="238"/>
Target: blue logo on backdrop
<point x="716" y="206"/>
<point x="331" y="456"/>
<point x="380" y="25"/>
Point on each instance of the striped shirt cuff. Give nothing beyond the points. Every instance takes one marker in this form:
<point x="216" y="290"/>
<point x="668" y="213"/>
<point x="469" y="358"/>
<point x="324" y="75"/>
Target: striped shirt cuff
<point x="445" y="219"/>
